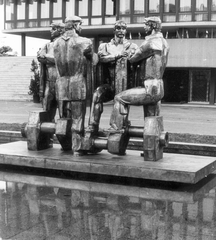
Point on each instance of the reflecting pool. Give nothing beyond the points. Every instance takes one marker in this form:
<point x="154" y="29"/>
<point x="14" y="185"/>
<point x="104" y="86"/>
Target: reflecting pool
<point x="35" y="206"/>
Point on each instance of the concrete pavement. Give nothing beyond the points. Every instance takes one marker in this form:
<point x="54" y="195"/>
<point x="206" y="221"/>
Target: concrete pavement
<point x="178" y="118"/>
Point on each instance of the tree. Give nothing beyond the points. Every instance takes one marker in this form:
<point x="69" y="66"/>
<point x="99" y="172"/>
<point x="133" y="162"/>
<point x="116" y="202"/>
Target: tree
<point x="5" y="49"/>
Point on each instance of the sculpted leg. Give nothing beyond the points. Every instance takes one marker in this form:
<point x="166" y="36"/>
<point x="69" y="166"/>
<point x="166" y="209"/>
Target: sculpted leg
<point x="119" y="115"/>
<point x="60" y="107"/>
<point x="52" y="110"/>
<point x="52" y="106"/>
<point x="148" y="96"/>
<point x="152" y="109"/>
<point x="102" y="94"/>
<point x="78" y="120"/>
<point x="95" y="113"/>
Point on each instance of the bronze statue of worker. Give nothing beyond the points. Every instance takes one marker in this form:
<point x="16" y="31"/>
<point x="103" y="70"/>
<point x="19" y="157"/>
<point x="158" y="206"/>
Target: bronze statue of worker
<point x="152" y="57"/>
<point x="72" y="54"/>
<point x="48" y="73"/>
<point x="116" y="74"/>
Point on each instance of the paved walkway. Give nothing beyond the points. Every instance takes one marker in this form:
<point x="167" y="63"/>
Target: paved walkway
<point x="178" y="118"/>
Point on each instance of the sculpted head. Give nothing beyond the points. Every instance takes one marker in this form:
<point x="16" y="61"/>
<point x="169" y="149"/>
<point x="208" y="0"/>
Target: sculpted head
<point x="56" y="30"/>
<point x="73" y="22"/>
<point x="152" y="23"/>
<point x="120" y="29"/>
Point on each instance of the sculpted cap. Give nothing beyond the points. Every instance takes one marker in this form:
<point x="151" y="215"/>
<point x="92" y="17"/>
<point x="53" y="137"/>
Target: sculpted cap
<point x="152" y="19"/>
<point x="120" y="23"/>
<point x="155" y="22"/>
<point x="73" y="19"/>
<point x="57" y="25"/>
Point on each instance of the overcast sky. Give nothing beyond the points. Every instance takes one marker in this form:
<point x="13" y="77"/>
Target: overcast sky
<point x="14" y="41"/>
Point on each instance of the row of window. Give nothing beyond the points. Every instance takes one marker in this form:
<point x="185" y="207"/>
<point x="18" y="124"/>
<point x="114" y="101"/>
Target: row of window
<point x="32" y="13"/>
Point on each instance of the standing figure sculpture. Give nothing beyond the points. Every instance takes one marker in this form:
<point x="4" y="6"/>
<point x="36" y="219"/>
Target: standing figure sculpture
<point x="152" y="56"/>
<point x="48" y="71"/>
<point x="73" y="57"/>
<point x="116" y="73"/>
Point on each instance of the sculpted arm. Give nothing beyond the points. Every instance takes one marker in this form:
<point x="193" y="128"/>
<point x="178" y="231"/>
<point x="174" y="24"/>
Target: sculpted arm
<point x="144" y="51"/>
<point x="45" y="57"/>
<point x="41" y="54"/>
<point x="88" y="52"/>
<point x="50" y="58"/>
<point x="103" y="55"/>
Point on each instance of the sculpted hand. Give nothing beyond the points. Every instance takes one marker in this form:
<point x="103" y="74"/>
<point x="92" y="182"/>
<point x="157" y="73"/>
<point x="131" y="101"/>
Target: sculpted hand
<point x="122" y="54"/>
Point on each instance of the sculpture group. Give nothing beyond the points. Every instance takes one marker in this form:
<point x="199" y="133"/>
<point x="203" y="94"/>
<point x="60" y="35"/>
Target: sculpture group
<point x="126" y="73"/>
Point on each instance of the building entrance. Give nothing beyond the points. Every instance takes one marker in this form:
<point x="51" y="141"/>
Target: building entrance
<point x="176" y="85"/>
<point x="199" y="85"/>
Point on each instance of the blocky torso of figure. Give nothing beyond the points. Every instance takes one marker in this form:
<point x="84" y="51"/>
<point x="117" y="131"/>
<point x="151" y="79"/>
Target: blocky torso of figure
<point x="119" y="74"/>
<point x="71" y="53"/>
<point x="153" y="56"/>
<point x="48" y="78"/>
<point x="115" y="75"/>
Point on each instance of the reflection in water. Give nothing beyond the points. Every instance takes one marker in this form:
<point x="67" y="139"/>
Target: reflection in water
<point x="38" y="207"/>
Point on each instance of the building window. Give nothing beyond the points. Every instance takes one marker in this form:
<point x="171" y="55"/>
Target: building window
<point x="154" y="6"/>
<point x="83" y="8"/>
<point x="96" y="11"/>
<point x="169" y="18"/>
<point x="21" y="6"/>
<point x="139" y="10"/>
<point x="124" y="7"/>
<point x="201" y="5"/>
<point x="9" y="11"/>
<point x="213" y="6"/>
<point x="110" y="12"/>
<point x="70" y="8"/>
<point x="57" y="8"/>
<point x="139" y="6"/>
<point x="33" y="10"/>
<point x="169" y="10"/>
<point x="110" y="8"/>
<point x="185" y="9"/>
<point x="45" y="9"/>
<point x="96" y="8"/>
<point x="185" y="5"/>
<point x="169" y="6"/>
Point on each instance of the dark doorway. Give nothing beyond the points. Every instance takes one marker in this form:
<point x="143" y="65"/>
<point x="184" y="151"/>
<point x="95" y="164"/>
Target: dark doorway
<point x="176" y="85"/>
<point x="199" y="85"/>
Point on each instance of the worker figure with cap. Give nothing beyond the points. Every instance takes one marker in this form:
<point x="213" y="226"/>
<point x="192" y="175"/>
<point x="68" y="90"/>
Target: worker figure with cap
<point x="48" y="73"/>
<point x="72" y="56"/>
<point x="152" y="57"/>
<point x="115" y="71"/>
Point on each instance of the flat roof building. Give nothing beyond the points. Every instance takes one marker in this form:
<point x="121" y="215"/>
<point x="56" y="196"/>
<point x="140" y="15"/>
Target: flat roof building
<point x="188" y="25"/>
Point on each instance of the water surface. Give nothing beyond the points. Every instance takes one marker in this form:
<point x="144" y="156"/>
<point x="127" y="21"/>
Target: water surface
<point x="33" y="206"/>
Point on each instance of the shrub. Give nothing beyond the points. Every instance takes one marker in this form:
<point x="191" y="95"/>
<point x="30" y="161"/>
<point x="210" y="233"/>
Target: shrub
<point x="34" y="86"/>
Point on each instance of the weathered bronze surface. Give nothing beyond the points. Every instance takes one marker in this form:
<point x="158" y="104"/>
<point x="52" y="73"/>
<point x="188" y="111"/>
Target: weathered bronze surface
<point x="115" y="73"/>
<point x="48" y="76"/>
<point x="48" y="73"/>
<point x="130" y="73"/>
<point x="152" y="57"/>
<point x="72" y="54"/>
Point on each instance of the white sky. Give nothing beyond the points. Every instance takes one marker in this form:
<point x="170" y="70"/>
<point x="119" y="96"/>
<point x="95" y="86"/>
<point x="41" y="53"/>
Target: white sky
<point x="14" y="41"/>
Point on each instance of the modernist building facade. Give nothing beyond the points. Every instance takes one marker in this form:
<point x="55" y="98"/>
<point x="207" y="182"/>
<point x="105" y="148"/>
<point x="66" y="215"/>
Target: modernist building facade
<point x="188" y="25"/>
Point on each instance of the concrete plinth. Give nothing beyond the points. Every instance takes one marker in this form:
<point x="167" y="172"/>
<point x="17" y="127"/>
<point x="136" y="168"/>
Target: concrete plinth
<point x="184" y="193"/>
<point x="173" y="167"/>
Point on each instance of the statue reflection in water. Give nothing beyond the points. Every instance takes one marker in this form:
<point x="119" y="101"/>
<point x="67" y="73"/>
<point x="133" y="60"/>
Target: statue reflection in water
<point x="95" y="211"/>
